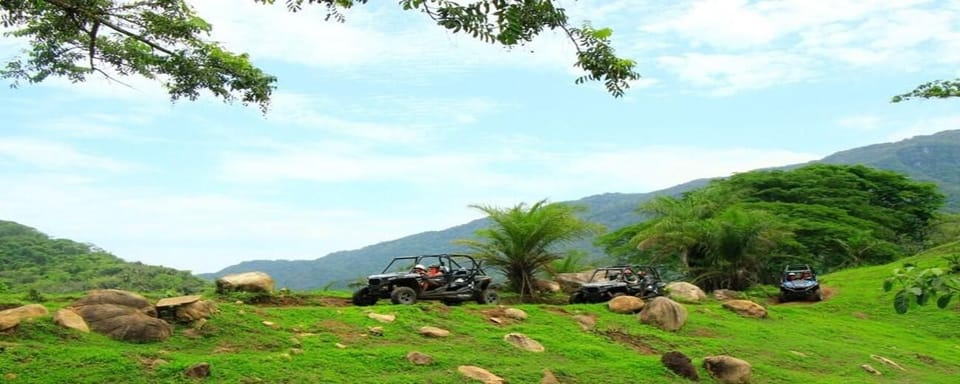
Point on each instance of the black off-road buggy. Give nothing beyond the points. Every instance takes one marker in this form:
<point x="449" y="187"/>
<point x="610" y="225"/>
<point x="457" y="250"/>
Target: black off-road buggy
<point x="609" y="282"/>
<point x="461" y="279"/>
<point x="799" y="282"/>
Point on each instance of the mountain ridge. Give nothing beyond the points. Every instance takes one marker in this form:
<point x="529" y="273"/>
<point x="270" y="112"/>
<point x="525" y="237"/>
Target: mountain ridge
<point x="926" y="157"/>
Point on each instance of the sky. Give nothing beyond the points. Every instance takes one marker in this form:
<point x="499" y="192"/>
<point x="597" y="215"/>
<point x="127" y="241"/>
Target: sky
<point x="386" y="125"/>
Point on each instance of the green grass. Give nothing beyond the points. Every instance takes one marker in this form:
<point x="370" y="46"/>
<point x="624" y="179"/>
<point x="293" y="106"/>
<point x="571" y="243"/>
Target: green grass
<point x="835" y="337"/>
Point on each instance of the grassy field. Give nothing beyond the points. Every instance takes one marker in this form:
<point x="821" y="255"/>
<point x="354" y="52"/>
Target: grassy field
<point x="824" y="342"/>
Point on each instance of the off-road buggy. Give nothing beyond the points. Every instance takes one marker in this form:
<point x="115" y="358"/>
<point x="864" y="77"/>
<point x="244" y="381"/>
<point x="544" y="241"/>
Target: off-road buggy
<point x="609" y="282"/>
<point x="799" y="282"/>
<point x="460" y="279"/>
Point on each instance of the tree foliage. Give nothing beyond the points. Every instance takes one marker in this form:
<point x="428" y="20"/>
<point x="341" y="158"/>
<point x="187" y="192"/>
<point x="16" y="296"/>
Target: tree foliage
<point x="167" y="41"/>
<point x="30" y="260"/>
<point x="740" y="230"/>
<point x="937" y="89"/>
<point x="924" y="286"/>
<point x="524" y="240"/>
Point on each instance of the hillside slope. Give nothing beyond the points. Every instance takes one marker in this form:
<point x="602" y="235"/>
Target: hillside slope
<point x="30" y="259"/>
<point x="823" y="342"/>
<point x="931" y="158"/>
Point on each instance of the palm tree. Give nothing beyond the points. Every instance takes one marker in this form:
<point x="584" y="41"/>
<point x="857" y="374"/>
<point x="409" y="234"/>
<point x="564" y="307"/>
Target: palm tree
<point x="523" y="240"/>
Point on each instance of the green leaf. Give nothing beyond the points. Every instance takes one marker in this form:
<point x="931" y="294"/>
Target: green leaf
<point x="944" y="300"/>
<point x="923" y="298"/>
<point x="887" y="285"/>
<point x="901" y="302"/>
<point x="916" y="291"/>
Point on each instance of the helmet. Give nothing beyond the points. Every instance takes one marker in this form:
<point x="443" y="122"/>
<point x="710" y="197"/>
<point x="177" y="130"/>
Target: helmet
<point x="419" y="266"/>
<point x="792" y="274"/>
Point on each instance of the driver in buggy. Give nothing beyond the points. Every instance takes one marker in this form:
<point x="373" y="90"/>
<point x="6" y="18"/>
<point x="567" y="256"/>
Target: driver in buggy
<point x="433" y="278"/>
<point x="628" y="276"/>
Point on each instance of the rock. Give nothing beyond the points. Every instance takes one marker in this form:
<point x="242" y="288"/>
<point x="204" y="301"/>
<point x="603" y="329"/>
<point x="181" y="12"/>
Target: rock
<point x="870" y="369"/>
<point x="69" y="319"/>
<point x="727" y="369"/>
<point x="296" y="351"/>
<point x="177" y="301"/>
<point x="514" y="313"/>
<point x="680" y="364"/>
<point x="746" y="308"/>
<point x="625" y="304"/>
<point x="479" y="374"/>
<point x="270" y="324"/>
<point x="685" y="292"/>
<point x="339" y="345"/>
<point x="194" y="311"/>
<point x="375" y="331"/>
<point x="725" y="294"/>
<point x="587" y="322"/>
<point x="10" y="318"/>
<point x="547" y="285"/>
<point x="549" y="378"/>
<point x="198" y="371"/>
<point x="523" y="342"/>
<point x="198" y="325"/>
<point x="801" y="354"/>
<point x="571" y="282"/>
<point x="10" y="376"/>
<point x="245" y="282"/>
<point x="496" y="320"/>
<point x="122" y="315"/>
<point x="419" y="358"/>
<point x="434" y="332"/>
<point x="382" y="318"/>
<point x="663" y="313"/>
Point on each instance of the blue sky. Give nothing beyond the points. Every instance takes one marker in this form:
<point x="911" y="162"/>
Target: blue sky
<point x="387" y="126"/>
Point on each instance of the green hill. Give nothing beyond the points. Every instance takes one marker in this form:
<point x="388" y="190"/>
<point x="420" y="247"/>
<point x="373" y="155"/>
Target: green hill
<point x="31" y="260"/>
<point x="825" y="342"/>
<point x="933" y="158"/>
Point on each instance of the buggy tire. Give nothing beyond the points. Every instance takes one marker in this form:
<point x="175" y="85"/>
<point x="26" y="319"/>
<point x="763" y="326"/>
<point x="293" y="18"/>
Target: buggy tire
<point x="362" y="297"/>
<point x="576" y="298"/>
<point x="817" y="296"/>
<point x="488" y="296"/>
<point x="403" y="295"/>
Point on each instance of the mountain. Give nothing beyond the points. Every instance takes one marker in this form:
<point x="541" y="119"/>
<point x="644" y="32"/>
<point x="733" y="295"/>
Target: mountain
<point x="934" y="158"/>
<point x="31" y="260"/>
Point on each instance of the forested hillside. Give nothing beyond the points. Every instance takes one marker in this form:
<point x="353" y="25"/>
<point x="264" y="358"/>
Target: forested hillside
<point x="31" y="260"/>
<point x="934" y="158"/>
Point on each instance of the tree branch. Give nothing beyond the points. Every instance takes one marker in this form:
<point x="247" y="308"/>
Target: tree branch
<point x="97" y="18"/>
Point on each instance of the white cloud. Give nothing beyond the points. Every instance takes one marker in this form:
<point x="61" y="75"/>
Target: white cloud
<point x="727" y="74"/>
<point x="861" y="123"/>
<point x="53" y="155"/>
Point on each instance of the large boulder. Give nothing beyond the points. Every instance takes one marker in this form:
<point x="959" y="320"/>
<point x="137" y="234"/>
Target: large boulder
<point x="685" y="292"/>
<point x="10" y="318"/>
<point x="195" y="311"/>
<point x="571" y="282"/>
<point x="547" y="285"/>
<point x="245" y="282"/>
<point x="523" y="342"/>
<point x="625" y="304"/>
<point x="680" y="364"/>
<point x="67" y="318"/>
<point x="746" y="308"/>
<point x="479" y="374"/>
<point x="122" y="316"/>
<point x="664" y="313"/>
<point x="727" y="369"/>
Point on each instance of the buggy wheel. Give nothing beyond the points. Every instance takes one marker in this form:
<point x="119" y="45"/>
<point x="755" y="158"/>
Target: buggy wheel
<point x="576" y="298"/>
<point x="817" y="296"/>
<point x="403" y="295"/>
<point x="363" y="298"/>
<point x="488" y="296"/>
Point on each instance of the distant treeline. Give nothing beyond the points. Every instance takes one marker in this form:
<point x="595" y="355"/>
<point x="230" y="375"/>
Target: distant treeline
<point x="31" y="260"/>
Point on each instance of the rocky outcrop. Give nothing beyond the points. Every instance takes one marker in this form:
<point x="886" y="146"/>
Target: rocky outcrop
<point x="625" y="304"/>
<point x="746" y="308"/>
<point x="122" y="315"/>
<point x="548" y="286"/>
<point x="571" y="282"/>
<point x="685" y="292"/>
<point x="434" y="332"/>
<point x="727" y="369"/>
<point x="245" y="282"/>
<point x="514" y="313"/>
<point x="664" y="313"/>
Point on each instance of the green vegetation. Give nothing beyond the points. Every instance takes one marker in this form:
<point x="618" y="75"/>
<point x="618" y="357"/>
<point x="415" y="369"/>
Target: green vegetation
<point x="523" y="240"/>
<point x="823" y="342"/>
<point x="167" y="40"/>
<point x="33" y="262"/>
<point x="738" y="231"/>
